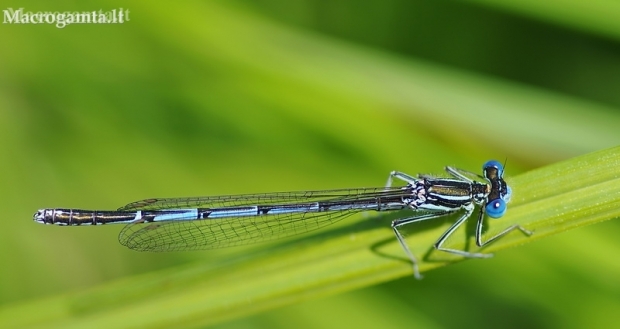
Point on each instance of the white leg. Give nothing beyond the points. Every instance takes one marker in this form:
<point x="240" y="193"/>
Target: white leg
<point x="400" y="175"/>
<point x="438" y="245"/>
<point x="404" y="221"/>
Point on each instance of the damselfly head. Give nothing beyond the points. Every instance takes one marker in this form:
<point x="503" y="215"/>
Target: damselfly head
<point x="500" y="192"/>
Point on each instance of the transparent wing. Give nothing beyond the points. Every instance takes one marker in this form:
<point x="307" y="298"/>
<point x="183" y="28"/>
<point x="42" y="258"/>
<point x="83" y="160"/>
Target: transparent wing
<point x="210" y="233"/>
<point x="239" y="200"/>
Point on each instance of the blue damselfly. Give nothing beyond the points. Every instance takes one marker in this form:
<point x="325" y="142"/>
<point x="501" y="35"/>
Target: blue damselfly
<point x="175" y="224"/>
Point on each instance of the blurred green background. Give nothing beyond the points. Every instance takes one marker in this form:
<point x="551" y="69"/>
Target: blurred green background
<point x="220" y="97"/>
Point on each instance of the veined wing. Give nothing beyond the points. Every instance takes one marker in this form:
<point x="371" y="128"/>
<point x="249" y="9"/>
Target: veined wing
<point x="239" y="200"/>
<point x="253" y="217"/>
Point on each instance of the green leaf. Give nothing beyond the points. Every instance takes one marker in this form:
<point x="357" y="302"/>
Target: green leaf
<point x="356" y="254"/>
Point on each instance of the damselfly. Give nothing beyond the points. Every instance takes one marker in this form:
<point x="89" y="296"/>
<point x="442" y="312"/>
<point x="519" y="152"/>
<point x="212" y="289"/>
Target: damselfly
<point x="175" y="224"/>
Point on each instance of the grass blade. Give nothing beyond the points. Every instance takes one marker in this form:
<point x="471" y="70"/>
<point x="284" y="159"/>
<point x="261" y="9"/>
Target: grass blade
<point x="549" y="200"/>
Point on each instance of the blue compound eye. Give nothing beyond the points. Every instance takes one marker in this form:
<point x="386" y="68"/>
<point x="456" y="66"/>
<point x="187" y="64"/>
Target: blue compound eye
<point x="496" y="208"/>
<point x="494" y="164"/>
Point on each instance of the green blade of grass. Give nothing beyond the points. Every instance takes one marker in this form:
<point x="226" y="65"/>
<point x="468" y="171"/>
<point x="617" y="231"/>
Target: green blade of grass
<point x="548" y="200"/>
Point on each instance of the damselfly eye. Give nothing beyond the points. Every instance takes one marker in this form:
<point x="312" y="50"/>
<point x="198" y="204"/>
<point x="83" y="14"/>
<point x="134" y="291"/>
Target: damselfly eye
<point x="494" y="164"/>
<point x="496" y="208"/>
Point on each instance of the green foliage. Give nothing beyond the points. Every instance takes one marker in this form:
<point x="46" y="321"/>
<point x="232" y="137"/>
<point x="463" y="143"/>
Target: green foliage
<point x="205" y="98"/>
